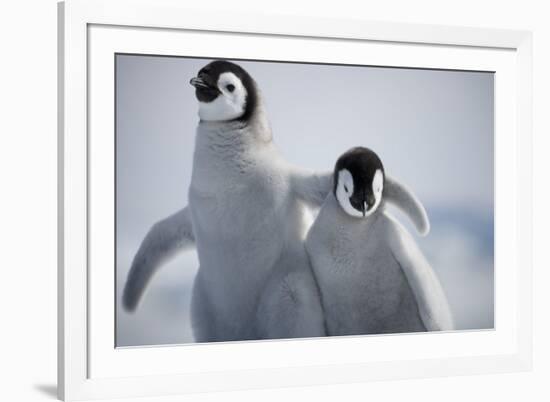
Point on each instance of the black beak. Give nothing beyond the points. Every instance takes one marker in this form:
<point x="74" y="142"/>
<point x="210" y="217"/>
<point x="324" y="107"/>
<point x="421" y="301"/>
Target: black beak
<point x="198" y="82"/>
<point x="205" y="87"/>
<point x="366" y="203"/>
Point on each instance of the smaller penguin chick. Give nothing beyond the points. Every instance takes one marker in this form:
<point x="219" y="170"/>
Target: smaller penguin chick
<point x="372" y="276"/>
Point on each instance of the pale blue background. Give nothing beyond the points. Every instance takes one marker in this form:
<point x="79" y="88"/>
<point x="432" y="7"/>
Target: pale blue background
<point x="432" y="129"/>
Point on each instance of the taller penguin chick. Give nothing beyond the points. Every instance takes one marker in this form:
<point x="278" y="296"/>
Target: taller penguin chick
<point x="245" y="217"/>
<point x="372" y="276"/>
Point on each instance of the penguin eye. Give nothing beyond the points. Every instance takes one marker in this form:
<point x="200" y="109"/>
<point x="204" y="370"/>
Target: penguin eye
<point x="230" y="87"/>
<point x="346" y="188"/>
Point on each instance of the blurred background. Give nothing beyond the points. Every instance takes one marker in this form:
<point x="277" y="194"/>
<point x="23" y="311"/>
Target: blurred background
<point x="433" y="130"/>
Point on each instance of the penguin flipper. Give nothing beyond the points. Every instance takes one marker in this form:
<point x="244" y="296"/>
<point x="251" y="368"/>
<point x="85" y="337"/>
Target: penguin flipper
<point x="163" y="241"/>
<point x="403" y="198"/>
<point x="431" y="299"/>
<point x="311" y="187"/>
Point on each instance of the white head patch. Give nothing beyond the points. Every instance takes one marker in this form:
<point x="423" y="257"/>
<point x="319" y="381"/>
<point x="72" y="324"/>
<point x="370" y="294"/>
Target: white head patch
<point x="230" y="103"/>
<point x="377" y="187"/>
<point x="345" y="190"/>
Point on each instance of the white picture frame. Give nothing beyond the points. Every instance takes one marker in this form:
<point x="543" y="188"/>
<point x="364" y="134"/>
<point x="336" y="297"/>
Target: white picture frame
<point x="90" y="367"/>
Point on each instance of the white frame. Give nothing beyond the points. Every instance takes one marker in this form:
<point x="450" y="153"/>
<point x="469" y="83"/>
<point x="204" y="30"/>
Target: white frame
<point x="74" y="378"/>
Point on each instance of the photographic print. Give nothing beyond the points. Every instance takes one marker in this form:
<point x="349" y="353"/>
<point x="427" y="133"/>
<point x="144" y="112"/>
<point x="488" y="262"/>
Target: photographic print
<point x="264" y="200"/>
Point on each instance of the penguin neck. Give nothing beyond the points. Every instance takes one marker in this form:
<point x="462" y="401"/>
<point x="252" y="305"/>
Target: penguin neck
<point x="253" y="131"/>
<point x="233" y="147"/>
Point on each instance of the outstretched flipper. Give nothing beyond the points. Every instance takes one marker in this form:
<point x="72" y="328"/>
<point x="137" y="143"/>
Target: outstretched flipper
<point x="432" y="303"/>
<point x="403" y="198"/>
<point x="163" y="241"/>
<point x="313" y="188"/>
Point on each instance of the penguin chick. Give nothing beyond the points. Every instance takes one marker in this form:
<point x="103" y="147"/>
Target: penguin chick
<point x="246" y="217"/>
<point x="372" y="276"/>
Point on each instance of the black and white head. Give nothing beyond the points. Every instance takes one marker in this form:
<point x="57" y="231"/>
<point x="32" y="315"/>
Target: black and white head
<point x="359" y="182"/>
<point x="225" y="92"/>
